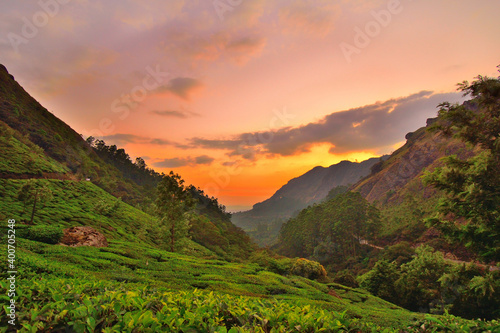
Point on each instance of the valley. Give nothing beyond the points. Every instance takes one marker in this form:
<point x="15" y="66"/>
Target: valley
<point x="355" y="247"/>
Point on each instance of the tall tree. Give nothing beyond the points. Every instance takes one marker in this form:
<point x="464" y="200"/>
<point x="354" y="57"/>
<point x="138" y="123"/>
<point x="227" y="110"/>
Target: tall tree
<point x="173" y="205"/>
<point x="34" y="193"/>
<point x="470" y="211"/>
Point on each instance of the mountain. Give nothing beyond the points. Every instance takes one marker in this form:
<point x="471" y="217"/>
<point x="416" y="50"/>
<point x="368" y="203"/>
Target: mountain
<point x="298" y="193"/>
<point x="393" y="177"/>
<point x="35" y="144"/>
<point x="431" y="205"/>
<point x="396" y="187"/>
<point x="133" y="283"/>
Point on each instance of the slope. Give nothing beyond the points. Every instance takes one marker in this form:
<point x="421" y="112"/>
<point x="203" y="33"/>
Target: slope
<point x="396" y="187"/>
<point x="298" y="193"/>
<point x="36" y="144"/>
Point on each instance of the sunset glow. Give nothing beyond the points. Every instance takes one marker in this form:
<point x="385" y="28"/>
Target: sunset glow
<point x="239" y="99"/>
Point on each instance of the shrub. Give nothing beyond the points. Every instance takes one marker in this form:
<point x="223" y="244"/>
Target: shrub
<point x="381" y="280"/>
<point x="308" y="269"/>
<point x="271" y="262"/>
<point x="44" y="233"/>
<point x="400" y="253"/>
<point x="346" y="278"/>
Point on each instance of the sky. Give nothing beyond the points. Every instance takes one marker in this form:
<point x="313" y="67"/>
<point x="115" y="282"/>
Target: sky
<point x="240" y="96"/>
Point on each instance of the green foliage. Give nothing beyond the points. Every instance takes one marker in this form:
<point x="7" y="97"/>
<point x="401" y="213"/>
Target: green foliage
<point x="419" y="286"/>
<point x="336" y="191"/>
<point x="399" y="253"/>
<point x="173" y="204"/>
<point x="427" y="283"/>
<point x="381" y="280"/>
<point x="346" y="278"/>
<point x="309" y="269"/>
<point x="44" y="233"/>
<point x="20" y="156"/>
<point x="90" y="306"/>
<point x="469" y="284"/>
<point x="106" y="208"/>
<point x="472" y="186"/>
<point x="34" y="192"/>
<point x="272" y="262"/>
<point x="450" y="323"/>
<point x="331" y="231"/>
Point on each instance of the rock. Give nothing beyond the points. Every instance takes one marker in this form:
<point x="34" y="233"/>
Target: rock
<point x="83" y="236"/>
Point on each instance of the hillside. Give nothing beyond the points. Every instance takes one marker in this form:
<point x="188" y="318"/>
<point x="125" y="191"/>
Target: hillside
<point x="399" y="231"/>
<point x="215" y="282"/>
<point x="58" y="141"/>
<point x="396" y="187"/>
<point x="37" y="145"/>
<point x="298" y="193"/>
<point x="391" y="178"/>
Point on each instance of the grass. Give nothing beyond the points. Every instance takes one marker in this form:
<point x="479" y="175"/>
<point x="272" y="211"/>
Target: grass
<point x="20" y="156"/>
<point x="136" y="266"/>
<point x="236" y="294"/>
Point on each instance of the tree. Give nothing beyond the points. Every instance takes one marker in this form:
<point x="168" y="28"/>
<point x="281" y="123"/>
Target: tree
<point x="470" y="212"/>
<point x="419" y="287"/>
<point x="36" y="193"/>
<point x="173" y="206"/>
<point x="381" y="280"/>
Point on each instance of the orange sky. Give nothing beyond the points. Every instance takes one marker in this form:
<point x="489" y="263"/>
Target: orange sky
<point x="241" y="96"/>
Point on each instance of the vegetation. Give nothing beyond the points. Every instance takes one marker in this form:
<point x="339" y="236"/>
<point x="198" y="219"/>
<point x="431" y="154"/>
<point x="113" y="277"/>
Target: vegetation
<point x="331" y="231"/>
<point x="428" y="283"/>
<point x="89" y="306"/>
<point x="470" y="212"/>
<point x="175" y="262"/>
<point x="33" y="193"/>
<point x="173" y="204"/>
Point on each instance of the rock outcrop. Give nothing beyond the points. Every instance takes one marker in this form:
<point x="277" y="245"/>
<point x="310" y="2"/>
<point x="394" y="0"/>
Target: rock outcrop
<point x="83" y="236"/>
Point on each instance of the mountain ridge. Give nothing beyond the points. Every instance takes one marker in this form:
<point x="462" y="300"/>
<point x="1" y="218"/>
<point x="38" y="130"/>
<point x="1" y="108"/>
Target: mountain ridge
<point x="300" y="192"/>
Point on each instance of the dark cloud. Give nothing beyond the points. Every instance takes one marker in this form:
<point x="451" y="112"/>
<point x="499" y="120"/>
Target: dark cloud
<point x="182" y="86"/>
<point x="121" y="139"/>
<point x="174" y="113"/>
<point x="171" y="163"/>
<point x="203" y="159"/>
<point x="180" y="162"/>
<point x="246" y="44"/>
<point x="369" y="127"/>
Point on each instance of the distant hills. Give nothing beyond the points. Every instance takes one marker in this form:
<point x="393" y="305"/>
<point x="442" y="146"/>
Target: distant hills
<point x="307" y="189"/>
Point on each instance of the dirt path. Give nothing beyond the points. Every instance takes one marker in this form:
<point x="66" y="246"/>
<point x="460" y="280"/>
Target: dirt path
<point x="456" y="261"/>
<point x="44" y="175"/>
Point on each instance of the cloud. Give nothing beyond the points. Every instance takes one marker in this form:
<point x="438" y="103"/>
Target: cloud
<point x="204" y="159"/>
<point x="316" y="18"/>
<point x="182" y="87"/>
<point x="177" y="162"/>
<point x="174" y="113"/>
<point x="244" y="48"/>
<point x="122" y="139"/>
<point x="369" y="127"/>
<point x="171" y="163"/>
<point x="194" y="49"/>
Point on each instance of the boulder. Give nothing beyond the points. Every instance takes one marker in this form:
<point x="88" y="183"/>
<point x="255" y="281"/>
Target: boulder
<point x="83" y="236"/>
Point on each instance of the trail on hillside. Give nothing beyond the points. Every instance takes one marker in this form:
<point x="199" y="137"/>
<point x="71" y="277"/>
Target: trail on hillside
<point x="44" y="175"/>
<point x="456" y="261"/>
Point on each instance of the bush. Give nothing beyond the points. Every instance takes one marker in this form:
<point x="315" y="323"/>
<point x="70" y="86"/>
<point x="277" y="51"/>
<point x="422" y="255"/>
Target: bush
<point x="400" y="253"/>
<point x="346" y="278"/>
<point x="272" y="262"/>
<point x="381" y="280"/>
<point x="44" y="234"/>
<point x="308" y="269"/>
